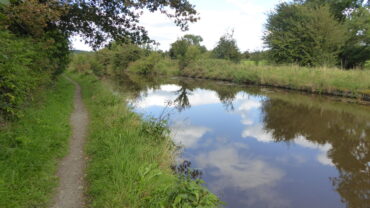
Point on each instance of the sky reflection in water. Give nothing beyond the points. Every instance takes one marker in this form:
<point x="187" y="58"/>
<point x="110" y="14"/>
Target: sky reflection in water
<point x="259" y="151"/>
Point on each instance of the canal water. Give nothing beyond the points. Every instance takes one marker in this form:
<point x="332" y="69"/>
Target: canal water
<point x="262" y="147"/>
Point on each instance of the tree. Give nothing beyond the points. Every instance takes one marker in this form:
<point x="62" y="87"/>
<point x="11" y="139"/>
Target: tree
<point x="340" y="9"/>
<point x="193" y="39"/>
<point x="357" y="48"/>
<point x="227" y="48"/>
<point x="99" y="22"/>
<point x="309" y="36"/>
<point x="179" y="48"/>
<point x="187" y="49"/>
<point x="246" y="54"/>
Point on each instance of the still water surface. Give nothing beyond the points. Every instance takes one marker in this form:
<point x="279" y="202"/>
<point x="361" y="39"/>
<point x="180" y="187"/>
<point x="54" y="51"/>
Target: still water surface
<point x="264" y="148"/>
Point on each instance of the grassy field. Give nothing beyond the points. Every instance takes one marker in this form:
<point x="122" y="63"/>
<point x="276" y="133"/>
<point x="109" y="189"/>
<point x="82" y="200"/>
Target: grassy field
<point x="30" y="147"/>
<point x="129" y="158"/>
<point x="351" y="83"/>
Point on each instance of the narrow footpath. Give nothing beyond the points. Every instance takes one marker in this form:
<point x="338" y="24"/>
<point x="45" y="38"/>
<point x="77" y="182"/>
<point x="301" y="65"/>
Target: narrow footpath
<point x="71" y="172"/>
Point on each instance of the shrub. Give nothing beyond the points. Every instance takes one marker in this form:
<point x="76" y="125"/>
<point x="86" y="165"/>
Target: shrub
<point x="146" y="65"/>
<point x="19" y="74"/>
<point x="122" y="56"/>
<point x="192" y="53"/>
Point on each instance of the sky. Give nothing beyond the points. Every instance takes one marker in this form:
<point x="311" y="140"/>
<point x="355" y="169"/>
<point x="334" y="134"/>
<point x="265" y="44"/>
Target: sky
<point x="245" y="17"/>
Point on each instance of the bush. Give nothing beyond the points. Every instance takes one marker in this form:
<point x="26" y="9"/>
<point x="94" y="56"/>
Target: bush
<point x="146" y="65"/>
<point x="19" y="72"/>
<point x="122" y="56"/>
<point x="192" y="53"/>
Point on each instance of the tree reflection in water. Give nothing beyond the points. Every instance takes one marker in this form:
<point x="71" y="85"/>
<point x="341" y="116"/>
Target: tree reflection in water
<point x="348" y="135"/>
<point x="182" y="100"/>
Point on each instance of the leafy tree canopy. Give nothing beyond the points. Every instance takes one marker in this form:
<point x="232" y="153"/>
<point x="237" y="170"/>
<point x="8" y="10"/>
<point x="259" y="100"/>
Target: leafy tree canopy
<point x="180" y="47"/>
<point x="357" y="48"/>
<point x="193" y="39"/>
<point x="309" y="36"/>
<point x="98" y="21"/>
<point x="227" y="48"/>
<point x="340" y="9"/>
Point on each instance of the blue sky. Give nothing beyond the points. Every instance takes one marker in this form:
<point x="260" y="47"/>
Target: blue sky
<point x="245" y="17"/>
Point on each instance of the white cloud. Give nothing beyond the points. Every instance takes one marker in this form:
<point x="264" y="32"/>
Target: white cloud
<point x="187" y="135"/>
<point x="255" y="129"/>
<point x="233" y="170"/>
<point x="249" y="105"/>
<point x="257" y="132"/>
<point x="78" y="44"/>
<point x="170" y="87"/>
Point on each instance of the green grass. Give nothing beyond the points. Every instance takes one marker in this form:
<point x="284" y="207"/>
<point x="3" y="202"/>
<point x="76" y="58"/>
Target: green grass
<point x="129" y="159"/>
<point x="248" y="62"/>
<point x="30" y="147"/>
<point x="321" y="80"/>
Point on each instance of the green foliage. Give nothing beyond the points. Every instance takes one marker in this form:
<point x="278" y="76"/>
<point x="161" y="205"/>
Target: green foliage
<point x="338" y="8"/>
<point x="97" y="21"/>
<point x="367" y="65"/>
<point x="187" y="49"/>
<point x="19" y="72"/>
<point x="4" y="1"/>
<point x="304" y="35"/>
<point x="147" y="64"/>
<point x="193" y="39"/>
<point x="31" y="146"/>
<point x="357" y="48"/>
<point x="122" y="55"/>
<point x="259" y="56"/>
<point x="188" y="193"/>
<point x="179" y="48"/>
<point x="192" y="54"/>
<point x="227" y="49"/>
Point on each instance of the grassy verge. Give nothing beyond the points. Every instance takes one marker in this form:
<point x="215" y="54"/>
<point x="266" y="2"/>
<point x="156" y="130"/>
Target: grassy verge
<point x="30" y="146"/>
<point x="130" y="158"/>
<point x="351" y="83"/>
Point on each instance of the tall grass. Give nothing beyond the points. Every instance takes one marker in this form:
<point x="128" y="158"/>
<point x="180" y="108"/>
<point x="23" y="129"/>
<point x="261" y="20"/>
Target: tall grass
<point x="129" y="158"/>
<point x="30" y="146"/>
<point x="322" y="80"/>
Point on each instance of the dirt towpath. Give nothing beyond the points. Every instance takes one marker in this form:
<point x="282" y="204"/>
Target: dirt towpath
<point x="71" y="172"/>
